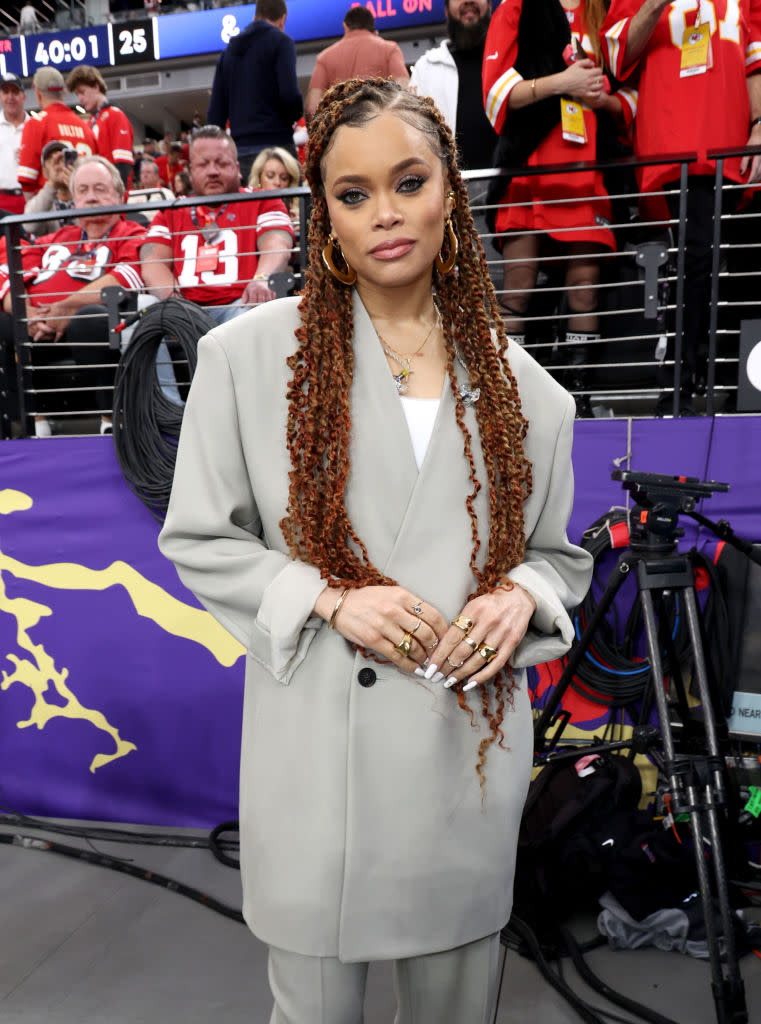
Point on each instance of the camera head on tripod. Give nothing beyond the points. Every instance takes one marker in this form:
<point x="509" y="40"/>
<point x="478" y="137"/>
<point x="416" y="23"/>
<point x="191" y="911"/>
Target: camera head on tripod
<point x="654" y="523"/>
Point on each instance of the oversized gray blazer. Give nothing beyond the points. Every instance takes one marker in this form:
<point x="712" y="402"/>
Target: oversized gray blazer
<point x="363" y="830"/>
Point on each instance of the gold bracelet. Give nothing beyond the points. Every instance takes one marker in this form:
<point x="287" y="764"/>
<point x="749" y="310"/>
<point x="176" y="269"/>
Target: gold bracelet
<point x="339" y="602"/>
<point x="533" y="91"/>
<point x="261" y="277"/>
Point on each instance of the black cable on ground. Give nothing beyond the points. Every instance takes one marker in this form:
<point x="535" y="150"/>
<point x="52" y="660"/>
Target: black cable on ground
<point x="115" y="864"/>
<point x="575" y="1001"/>
<point x="215" y="846"/>
<point x="588" y="975"/>
<point x="115" y="835"/>
<point x="146" y="423"/>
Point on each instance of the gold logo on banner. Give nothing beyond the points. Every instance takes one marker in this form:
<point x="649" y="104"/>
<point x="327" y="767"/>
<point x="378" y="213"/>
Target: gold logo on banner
<point x="38" y="671"/>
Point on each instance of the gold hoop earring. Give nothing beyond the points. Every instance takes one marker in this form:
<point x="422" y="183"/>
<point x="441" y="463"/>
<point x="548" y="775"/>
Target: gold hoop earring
<point x="446" y="265"/>
<point x="348" y="276"/>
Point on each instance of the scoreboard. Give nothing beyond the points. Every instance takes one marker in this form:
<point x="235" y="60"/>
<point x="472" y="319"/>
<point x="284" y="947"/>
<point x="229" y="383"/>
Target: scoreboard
<point x="196" y="32"/>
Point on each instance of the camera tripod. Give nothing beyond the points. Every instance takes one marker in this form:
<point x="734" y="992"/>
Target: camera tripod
<point x="695" y="782"/>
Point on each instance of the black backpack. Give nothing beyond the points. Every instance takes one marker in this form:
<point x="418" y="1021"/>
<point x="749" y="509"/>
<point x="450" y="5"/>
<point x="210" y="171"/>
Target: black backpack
<point x="579" y="815"/>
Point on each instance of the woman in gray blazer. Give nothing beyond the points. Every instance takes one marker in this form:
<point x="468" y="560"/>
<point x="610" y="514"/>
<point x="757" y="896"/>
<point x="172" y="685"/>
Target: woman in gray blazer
<point x="372" y="494"/>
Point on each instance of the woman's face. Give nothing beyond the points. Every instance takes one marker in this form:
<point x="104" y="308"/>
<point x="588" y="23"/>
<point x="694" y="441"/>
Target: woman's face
<point x="274" y="174"/>
<point x="387" y="200"/>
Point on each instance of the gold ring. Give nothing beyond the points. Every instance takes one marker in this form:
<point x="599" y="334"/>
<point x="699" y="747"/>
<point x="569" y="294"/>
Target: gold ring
<point x="405" y="645"/>
<point x="486" y="652"/>
<point x="470" y="642"/>
<point x="463" y="623"/>
<point x="419" y="624"/>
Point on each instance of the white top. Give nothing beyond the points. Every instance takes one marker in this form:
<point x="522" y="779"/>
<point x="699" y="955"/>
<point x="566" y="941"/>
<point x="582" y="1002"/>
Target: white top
<point x="421" y="416"/>
<point x="10" y="144"/>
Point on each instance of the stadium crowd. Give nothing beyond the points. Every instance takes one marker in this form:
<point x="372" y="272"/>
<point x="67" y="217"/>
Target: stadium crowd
<point x="523" y="86"/>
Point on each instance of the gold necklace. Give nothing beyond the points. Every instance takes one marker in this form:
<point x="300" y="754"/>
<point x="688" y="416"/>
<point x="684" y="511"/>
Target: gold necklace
<point x="405" y="361"/>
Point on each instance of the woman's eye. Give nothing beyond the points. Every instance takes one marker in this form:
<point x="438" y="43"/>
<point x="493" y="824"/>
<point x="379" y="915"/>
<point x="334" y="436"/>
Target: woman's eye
<point x="412" y="184"/>
<point x="352" y="196"/>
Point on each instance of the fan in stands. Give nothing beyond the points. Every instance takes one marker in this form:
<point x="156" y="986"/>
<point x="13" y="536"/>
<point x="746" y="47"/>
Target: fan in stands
<point x="219" y="254"/>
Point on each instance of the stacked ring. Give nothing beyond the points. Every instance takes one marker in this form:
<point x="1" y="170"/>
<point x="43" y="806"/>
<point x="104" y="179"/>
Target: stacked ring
<point x="419" y="624"/>
<point x="470" y="642"/>
<point x="405" y="645"/>
<point x="417" y="608"/>
<point x="486" y="652"/>
<point x="464" y="623"/>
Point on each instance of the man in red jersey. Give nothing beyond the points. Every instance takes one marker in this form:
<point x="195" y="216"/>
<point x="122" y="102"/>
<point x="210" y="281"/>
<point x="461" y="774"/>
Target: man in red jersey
<point x="698" y="65"/>
<point x="170" y="163"/>
<point x="110" y="125"/>
<point x="219" y="255"/>
<point x="54" y="121"/>
<point x="63" y="276"/>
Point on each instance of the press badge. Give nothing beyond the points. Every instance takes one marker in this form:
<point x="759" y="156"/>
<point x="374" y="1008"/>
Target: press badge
<point x="572" y="121"/>
<point x="207" y="260"/>
<point x="696" y="51"/>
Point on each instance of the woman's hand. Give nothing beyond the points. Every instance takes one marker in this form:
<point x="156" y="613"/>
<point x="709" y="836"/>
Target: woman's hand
<point x="380" y="618"/>
<point x="583" y="80"/>
<point x="477" y="652"/>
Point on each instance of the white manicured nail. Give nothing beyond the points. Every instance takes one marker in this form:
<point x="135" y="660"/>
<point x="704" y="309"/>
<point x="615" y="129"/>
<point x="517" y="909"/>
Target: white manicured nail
<point x="437" y="678"/>
<point x="450" y="682"/>
<point x="470" y="685"/>
<point x="431" y="670"/>
<point x="420" y="672"/>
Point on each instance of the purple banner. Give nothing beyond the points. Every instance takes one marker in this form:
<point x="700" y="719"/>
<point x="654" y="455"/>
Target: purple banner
<point x="109" y="708"/>
<point x="120" y="699"/>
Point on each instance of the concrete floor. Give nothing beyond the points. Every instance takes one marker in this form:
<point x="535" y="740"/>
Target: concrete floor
<point x="82" y="944"/>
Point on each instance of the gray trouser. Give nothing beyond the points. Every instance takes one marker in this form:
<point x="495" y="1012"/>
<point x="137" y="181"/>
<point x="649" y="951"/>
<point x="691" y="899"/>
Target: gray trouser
<point x="458" y="986"/>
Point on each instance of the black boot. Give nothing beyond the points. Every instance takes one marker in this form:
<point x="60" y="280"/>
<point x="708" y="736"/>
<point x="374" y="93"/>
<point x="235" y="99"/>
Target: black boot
<point x="576" y="376"/>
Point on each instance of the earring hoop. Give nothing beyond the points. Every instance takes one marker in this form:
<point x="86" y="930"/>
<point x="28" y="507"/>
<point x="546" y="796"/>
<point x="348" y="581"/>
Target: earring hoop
<point x="348" y="276"/>
<point x="445" y="265"/>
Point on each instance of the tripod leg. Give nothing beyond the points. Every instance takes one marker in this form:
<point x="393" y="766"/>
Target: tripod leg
<point x="729" y="996"/>
<point x="580" y="648"/>
<point x="714" y="799"/>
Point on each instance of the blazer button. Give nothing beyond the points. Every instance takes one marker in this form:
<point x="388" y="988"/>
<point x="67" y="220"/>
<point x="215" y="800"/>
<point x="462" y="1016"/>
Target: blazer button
<point x="366" y="677"/>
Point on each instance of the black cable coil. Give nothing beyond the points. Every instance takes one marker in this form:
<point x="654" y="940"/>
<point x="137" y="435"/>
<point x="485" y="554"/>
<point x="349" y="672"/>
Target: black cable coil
<point x="146" y="423"/>
<point x="611" y="673"/>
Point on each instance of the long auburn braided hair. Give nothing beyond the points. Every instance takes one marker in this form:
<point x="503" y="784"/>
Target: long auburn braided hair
<point x="317" y="527"/>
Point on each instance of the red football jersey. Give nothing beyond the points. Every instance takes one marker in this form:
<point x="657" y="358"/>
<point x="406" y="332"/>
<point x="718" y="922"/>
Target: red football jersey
<point x="58" y="264"/>
<point x="539" y="203"/>
<point x="113" y="134"/>
<point x="55" y="122"/>
<point x="698" y="112"/>
<point x="214" y="248"/>
<point x="167" y="173"/>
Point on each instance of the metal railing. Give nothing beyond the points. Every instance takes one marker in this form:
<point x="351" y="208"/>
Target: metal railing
<point x="635" y="363"/>
<point x="638" y="358"/>
<point x="33" y="382"/>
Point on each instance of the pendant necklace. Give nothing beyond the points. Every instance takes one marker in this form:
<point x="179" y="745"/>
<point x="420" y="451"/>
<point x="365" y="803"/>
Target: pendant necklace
<point x="405" y="361"/>
<point x="468" y="394"/>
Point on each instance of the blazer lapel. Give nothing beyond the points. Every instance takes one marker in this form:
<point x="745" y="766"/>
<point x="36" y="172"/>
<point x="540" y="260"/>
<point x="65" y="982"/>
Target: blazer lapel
<point x="386" y="495"/>
<point x="383" y="468"/>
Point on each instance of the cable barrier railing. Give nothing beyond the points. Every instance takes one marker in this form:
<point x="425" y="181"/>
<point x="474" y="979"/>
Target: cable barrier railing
<point x="632" y="363"/>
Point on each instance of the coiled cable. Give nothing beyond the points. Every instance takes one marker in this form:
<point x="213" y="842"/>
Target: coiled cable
<point x="612" y="673"/>
<point x="146" y="422"/>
